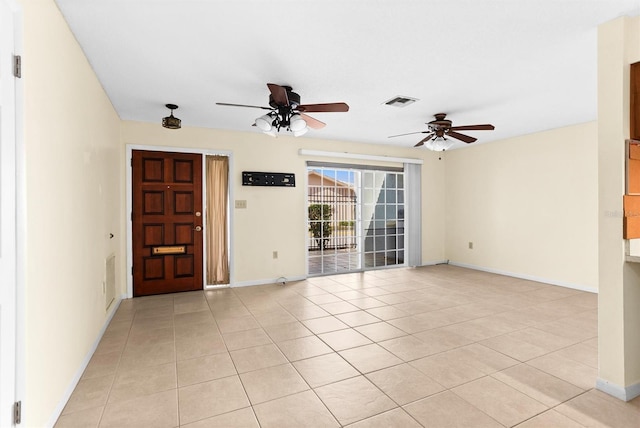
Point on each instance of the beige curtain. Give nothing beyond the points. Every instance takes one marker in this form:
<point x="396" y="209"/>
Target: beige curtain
<point x="217" y="200"/>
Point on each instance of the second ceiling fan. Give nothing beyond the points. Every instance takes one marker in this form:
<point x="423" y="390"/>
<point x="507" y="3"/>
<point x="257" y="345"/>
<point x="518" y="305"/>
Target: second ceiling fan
<point x="441" y="128"/>
<point x="286" y="112"/>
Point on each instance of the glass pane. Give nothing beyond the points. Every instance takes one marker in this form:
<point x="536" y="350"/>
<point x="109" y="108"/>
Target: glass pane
<point x="400" y="181"/>
<point x="368" y="179"/>
<point x="379" y="212"/>
<point x="400" y="196"/>
<point x="380" y="243"/>
<point x="391" y="196"/>
<point x="329" y="177"/>
<point x="391" y="212"/>
<point x="368" y="197"/>
<point x="390" y="182"/>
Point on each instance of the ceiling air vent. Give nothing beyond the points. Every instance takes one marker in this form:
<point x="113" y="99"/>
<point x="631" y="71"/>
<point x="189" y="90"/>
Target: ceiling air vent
<point x="400" y="101"/>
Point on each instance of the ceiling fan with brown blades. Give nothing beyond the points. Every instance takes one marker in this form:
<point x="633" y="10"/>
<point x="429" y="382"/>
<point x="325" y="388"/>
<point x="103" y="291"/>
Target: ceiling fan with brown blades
<point x="286" y="112"/>
<point x="440" y="128"/>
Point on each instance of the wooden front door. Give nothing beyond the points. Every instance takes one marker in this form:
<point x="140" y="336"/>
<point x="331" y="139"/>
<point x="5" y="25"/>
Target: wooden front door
<point x="167" y="222"/>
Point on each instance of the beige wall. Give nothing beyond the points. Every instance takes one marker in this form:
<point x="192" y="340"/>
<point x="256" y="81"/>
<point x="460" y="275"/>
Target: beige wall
<point x="528" y="204"/>
<point x="72" y="146"/>
<point x="275" y="217"/>
<point x="619" y="297"/>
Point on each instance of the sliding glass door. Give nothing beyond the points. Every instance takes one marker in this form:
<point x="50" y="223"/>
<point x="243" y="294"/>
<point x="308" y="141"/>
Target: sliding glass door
<point x="355" y="219"/>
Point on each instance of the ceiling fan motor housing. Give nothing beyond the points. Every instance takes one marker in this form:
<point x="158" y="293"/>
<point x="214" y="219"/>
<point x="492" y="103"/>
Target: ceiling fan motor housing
<point x="294" y="98"/>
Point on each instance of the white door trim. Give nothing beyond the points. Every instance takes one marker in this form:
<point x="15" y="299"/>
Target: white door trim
<point x="11" y="214"/>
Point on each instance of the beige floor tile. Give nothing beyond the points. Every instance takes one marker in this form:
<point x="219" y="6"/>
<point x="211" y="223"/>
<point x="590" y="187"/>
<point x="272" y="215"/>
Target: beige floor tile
<point x="102" y="365"/>
<point x="89" y="393"/>
<point x="325" y="369"/>
<point x="308" y="312"/>
<point x="131" y="384"/>
<point x="448" y="410"/>
<point x="157" y="410"/>
<point x="294" y="411"/>
<point x="550" y="419"/>
<point x="320" y="299"/>
<point x="193" y="348"/>
<point x="462" y="365"/>
<point x="387" y="312"/>
<point x="246" y="339"/>
<point x="272" y="382"/>
<point x="303" y="347"/>
<point x="146" y="356"/>
<point x="581" y="353"/>
<point x="542" y="387"/>
<point x="380" y="331"/>
<point x="367" y="303"/>
<point x="258" y="357"/>
<point x="440" y="340"/>
<point x="282" y="332"/>
<point x="368" y="358"/>
<point x="189" y="318"/>
<point x="393" y="299"/>
<point x="205" y="368"/>
<point x="354" y="399"/>
<point x="350" y="295"/>
<point x="404" y="383"/>
<point x="408" y="348"/>
<point x="578" y="374"/>
<point x="484" y="328"/>
<point x="243" y="418"/>
<point x="274" y="317"/>
<point x="392" y="418"/>
<point x="324" y="324"/>
<point x="500" y="401"/>
<point x="341" y="307"/>
<point x="357" y="318"/>
<point x="212" y="398"/>
<point x="111" y="344"/>
<point x="229" y="325"/>
<point x="204" y="330"/>
<point x="597" y="409"/>
<point x="528" y="343"/>
<point x="344" y="339"/>
<point x="88" y="418"/>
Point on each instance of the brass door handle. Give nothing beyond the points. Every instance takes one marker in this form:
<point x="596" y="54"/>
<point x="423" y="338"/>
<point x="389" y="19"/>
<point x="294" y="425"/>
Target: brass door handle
<point x="197" y="228"/>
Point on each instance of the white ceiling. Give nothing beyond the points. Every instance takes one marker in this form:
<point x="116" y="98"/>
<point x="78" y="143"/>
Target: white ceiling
<point x="523" y="66"/>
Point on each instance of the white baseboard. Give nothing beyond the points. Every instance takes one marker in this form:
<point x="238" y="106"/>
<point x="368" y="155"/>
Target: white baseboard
<point x="528" y="277"/>
<point x="278" y="280"/>
<point x="622" y="393"/>
<point x="85" y="362"/>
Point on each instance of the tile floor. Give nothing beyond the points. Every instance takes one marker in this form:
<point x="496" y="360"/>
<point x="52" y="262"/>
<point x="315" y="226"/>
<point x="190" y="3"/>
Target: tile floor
<point x="437" y="346"/>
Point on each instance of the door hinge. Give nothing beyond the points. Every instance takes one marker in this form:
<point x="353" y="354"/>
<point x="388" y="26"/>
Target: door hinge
<point x="17" y="412"/>
<point x="131" y="270"/>
<point x="17" y="66"/>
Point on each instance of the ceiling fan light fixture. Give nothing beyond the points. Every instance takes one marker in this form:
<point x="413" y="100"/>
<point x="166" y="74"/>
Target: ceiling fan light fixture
<point x="297" y="123"/>
<point x="271" y="133"/>
<point x="300" y="132"/>
<point x="265" y="123"/>
<point x="171" y="122"/>
<point x="438" y="144"/>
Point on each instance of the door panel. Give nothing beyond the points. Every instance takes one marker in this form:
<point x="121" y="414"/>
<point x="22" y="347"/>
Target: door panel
<point x="167" y="222"/>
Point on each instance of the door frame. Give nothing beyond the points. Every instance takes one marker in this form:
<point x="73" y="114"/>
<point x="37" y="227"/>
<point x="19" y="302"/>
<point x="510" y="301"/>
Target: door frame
<point x="129" y="207"/>
<point x="12" y="218"/>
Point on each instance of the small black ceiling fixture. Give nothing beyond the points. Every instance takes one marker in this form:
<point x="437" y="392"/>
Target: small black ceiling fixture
<point x="171" y="122"/>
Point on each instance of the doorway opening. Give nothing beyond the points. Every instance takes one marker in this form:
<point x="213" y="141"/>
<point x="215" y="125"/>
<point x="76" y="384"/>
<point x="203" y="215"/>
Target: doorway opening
<point x="355" y="218"/>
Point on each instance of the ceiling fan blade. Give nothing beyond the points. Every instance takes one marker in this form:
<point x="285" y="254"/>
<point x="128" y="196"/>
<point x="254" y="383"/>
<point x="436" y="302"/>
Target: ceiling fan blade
<point x="486" y="127"/>
<point x="243" y="105"/>
<point x="313" y="123"/>
<point x="424" y="140"/>
<point x="409" y="133"/>
<point x="461" y="137"/>
<point x="322" y="108"/>
<point x="279" y="94"/>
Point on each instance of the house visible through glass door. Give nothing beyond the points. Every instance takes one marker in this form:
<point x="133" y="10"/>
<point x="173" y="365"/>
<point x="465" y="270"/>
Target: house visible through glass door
<point x="355" y="219"/>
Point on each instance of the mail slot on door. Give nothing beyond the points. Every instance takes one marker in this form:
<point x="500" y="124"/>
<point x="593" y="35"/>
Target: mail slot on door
<point x="168" y="250"/>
